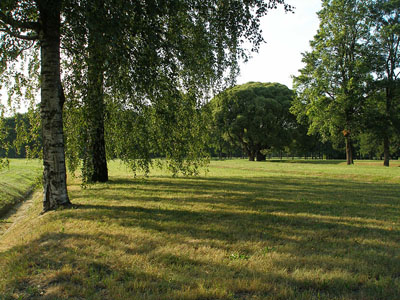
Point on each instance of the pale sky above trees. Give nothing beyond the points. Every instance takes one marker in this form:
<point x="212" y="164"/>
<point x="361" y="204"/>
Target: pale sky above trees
<point x="287" y="36"/>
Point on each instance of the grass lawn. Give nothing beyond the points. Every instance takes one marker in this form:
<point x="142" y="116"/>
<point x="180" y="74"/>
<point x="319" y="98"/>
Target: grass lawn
<point x="245" y="230"/>
<point x="17" y="181"/>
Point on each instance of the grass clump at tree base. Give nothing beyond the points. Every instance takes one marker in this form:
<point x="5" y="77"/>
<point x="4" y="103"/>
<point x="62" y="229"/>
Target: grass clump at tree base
<point x="245" y="230"/>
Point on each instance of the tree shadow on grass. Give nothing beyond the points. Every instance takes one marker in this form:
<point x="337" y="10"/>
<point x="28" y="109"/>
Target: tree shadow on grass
<point x="217" y="238"/>
<point x="316" y="223"/>
<point x="331" y="197"/>
<point x="309" y="161"/>
<point x="78" y="266"/>
<point x="227" y="209"/>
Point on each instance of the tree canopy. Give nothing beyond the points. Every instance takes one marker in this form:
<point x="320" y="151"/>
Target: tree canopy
<point x="134" y="51"/>
<point x="331" y="87"/>
<point x="255" y="115"/>
<point x="156" y="52"/>
<point x="349" y="86"/>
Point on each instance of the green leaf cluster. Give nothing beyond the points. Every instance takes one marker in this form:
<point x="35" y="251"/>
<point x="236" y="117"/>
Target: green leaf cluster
<point x="156" y="64"/>
<point x="255" y="116"/>
<point x="140" y="69"/>
<point x="349" y="85"/>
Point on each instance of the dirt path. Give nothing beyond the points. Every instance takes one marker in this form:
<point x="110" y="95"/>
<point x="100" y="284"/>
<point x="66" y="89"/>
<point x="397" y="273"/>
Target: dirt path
<point x="16" y="214"/>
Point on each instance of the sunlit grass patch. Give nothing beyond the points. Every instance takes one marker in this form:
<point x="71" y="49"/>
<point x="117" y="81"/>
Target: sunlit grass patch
<point x="243" y="231"/>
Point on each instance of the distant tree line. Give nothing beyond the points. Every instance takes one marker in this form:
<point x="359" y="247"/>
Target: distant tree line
<point x="19" y="137"/>
<point x="349" y="89"/>
<point x="254" y="120"/>
<point x="347" y="96"/>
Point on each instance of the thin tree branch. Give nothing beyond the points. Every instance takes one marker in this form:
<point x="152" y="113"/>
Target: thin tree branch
<point x="397" y="44"/>
<point x="330" y="95"/>
<point x="20" y="36"/>
<point x="26" y="48"/>
<point x="18" y="24"/>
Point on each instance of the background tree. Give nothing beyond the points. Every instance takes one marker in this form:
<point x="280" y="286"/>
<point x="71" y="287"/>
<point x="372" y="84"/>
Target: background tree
<point x="255" y="115"/>
<point x="219" y="144"/>
<point x="331" y="88"/>
<point x="18" y="138"/>
<point x="303" y="144"/>
<point x="386" y="46"/>
<point x="4" y="145"/>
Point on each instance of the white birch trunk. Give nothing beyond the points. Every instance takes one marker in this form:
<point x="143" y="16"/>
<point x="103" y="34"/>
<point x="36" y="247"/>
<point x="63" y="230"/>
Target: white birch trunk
<point x="52" y="99"/>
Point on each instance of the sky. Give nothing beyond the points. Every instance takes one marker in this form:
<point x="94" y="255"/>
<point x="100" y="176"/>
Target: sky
<point x="287" y="36"/>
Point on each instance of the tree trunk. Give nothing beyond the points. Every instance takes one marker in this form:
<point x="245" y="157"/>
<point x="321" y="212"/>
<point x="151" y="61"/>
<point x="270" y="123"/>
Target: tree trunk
<point x="349" y="151"/>
<point x="260" y="156"/>
<point x="386" y="151"/>
<point x="95" y="161"/>
<point x="52" y="100"/>
<point x="386" y="141"/>
<point x="251" y="155"/>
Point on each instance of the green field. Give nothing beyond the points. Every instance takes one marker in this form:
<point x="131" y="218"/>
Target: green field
<point x="17" y="181"/>
<point x="243" y="230"/>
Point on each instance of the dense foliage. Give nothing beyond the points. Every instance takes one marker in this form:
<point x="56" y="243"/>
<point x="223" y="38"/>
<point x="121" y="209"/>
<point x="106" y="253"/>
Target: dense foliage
<point x="155" y="52"/>
<point x="349" y="86"/>
<point x="135" y="52"/>
<point x="255" y="116"/>
<point x="17" y="137"/>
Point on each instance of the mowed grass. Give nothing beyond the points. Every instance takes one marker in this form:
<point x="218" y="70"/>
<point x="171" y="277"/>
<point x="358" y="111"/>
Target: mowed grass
<point x="17" y="181"/>
<point x="244" y="230"/>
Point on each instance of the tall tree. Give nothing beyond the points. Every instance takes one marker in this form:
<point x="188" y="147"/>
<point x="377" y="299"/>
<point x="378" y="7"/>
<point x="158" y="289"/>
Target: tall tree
<point x="95" y="163"/>
<point x="386" y="46"/>
<point x="153" y="53"/>
<point x="87" y="38"/>
<point x="40" y="21"/>
<point x="331" y="88"/>
<point x="163" y="48"/>
<point x="255" y="116"/>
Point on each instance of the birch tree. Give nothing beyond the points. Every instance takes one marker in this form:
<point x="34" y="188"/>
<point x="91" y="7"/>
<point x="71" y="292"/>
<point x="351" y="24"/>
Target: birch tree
<point x="151" y="53"/>
<point x="164" y="48"/>
<point x="39" y="21"/>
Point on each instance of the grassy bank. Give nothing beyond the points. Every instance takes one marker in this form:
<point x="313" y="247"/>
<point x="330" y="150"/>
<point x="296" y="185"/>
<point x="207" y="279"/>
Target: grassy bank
<point x="17" y="181"/>
<point x="244" y="230"/>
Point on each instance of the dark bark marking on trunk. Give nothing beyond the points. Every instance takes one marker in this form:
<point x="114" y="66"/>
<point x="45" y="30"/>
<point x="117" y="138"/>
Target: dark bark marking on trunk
<point x="54" y="173"/>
